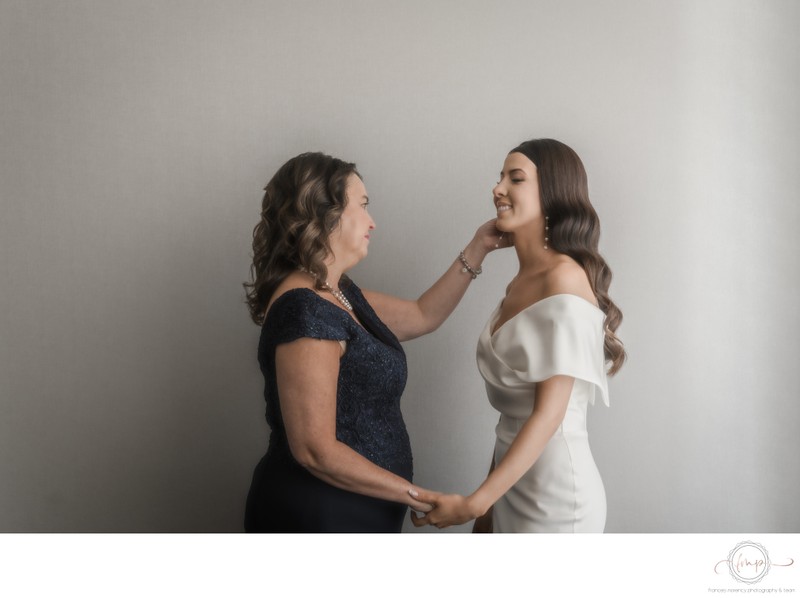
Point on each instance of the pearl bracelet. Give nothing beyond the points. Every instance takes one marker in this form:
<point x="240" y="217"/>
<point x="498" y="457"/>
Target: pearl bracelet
<point x="468" y="268"/>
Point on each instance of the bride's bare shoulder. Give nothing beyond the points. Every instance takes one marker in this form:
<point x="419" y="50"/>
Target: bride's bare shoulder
<point x="568" y="277"/>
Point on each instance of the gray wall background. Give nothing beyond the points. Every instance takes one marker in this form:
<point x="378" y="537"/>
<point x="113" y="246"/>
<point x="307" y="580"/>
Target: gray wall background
<point x="136" y="138"/>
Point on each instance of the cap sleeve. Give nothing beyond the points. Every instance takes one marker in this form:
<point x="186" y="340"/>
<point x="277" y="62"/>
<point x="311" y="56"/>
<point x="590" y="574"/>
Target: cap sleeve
<point x="301" y="313"/>
<point x="561" y="335"/>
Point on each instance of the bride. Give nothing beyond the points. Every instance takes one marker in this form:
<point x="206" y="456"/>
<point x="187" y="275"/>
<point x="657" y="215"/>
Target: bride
<point x="544" y="355"/>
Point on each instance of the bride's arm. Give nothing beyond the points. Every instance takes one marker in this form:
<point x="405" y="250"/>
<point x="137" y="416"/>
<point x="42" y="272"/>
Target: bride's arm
<point x="483" y="524"/>
<point x="552" y="398"/>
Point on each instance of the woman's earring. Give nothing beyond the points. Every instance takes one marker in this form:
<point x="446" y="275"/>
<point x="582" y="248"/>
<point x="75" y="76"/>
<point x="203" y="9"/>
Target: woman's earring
<point x="546" y="230"/>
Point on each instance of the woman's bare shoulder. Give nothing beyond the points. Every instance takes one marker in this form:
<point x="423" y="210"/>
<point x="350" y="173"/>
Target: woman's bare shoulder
<point x="568" y="277"/>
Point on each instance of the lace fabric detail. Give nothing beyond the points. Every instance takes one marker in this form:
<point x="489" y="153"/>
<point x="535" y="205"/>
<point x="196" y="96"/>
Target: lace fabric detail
<point x="372" y="374"/>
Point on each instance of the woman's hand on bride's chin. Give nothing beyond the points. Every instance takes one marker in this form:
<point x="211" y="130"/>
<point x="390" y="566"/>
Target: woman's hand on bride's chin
<point x="489" y="238"/>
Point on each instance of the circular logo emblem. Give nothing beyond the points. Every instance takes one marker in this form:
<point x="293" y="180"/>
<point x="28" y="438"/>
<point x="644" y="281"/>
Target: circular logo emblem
<point x="748" y="562"/>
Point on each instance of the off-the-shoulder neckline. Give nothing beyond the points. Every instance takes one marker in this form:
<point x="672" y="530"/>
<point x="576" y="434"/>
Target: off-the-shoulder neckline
<point x="534" y="304"/>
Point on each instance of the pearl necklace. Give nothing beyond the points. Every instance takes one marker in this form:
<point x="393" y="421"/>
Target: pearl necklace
<point x="338" y="295"/>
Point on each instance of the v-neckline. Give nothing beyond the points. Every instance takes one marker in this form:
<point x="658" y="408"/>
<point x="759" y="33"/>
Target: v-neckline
<point x="493" y="330"/>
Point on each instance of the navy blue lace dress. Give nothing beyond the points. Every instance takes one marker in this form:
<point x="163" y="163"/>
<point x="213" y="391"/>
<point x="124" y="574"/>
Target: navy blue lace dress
<point x="284" y="496"/>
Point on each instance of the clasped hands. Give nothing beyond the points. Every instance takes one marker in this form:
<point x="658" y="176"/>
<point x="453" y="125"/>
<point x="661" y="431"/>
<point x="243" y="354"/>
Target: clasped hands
<point x="446" y="509"/>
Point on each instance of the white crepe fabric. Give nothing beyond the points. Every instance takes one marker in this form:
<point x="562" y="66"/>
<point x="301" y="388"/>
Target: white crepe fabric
<point x="559" y="335"/>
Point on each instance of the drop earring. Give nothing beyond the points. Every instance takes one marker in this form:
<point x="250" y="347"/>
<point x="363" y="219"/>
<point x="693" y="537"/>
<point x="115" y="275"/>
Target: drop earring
<point x="546" y="230"/>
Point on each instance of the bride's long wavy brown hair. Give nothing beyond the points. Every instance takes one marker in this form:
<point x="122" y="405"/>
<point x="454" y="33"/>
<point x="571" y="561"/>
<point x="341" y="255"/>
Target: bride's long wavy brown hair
<point x="575" y="227"/>
<point x="302" y="206"/>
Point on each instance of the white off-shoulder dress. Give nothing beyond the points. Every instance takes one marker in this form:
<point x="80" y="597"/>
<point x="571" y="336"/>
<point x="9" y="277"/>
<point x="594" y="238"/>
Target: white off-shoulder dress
<point x="559" y="335"/>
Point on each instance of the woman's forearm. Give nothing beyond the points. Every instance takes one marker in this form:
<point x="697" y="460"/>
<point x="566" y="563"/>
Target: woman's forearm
<point x="340" y="466"/>
<point x="549" y="408"/>
<point x="438" y="302"/>
<point x="409" y="319"/>
<point x="552" y="398"/>
<point x="523" y="453"/>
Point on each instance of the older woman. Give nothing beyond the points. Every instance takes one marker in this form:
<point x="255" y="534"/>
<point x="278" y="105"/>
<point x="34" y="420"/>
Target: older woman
<point x="339" y="457"/>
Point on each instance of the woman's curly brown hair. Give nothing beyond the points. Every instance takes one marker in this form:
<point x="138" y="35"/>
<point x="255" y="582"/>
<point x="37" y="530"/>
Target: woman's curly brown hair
<point x="302" y="206"/>
<point x="575" y="227"/>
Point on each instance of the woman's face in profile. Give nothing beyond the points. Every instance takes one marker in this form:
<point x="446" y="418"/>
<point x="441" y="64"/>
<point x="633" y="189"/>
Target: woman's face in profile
<point x="516" y="194"/>
<point x="350" y="241"/>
